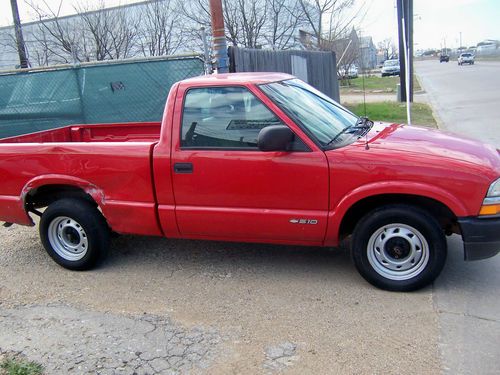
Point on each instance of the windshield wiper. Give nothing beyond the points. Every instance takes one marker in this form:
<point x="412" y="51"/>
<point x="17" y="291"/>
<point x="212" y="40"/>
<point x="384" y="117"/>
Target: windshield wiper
<point x="363" y="124"/>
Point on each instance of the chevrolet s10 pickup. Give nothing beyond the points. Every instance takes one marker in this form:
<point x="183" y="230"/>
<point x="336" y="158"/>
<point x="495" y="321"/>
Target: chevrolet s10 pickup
<point x="258" y="157"/>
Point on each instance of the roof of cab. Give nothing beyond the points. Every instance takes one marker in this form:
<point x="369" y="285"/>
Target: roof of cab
<point x="238" y="78"/>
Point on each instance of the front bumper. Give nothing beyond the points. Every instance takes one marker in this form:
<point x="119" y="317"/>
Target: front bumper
<point x="481" y="237"/>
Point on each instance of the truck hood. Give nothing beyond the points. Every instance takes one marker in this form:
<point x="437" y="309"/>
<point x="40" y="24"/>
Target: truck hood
<point x="430" y="145"/>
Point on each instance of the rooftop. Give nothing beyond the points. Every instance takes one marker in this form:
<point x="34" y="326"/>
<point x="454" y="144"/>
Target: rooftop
<point x="239" y="78"/>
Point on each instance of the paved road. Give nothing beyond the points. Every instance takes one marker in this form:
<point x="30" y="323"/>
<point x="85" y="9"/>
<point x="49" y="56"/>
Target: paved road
<point x="467" y="98"/>
<point x="467" y="295"/>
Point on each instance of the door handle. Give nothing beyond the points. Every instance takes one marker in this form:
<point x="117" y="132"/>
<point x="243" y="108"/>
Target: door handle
<point x="183" y="167"/>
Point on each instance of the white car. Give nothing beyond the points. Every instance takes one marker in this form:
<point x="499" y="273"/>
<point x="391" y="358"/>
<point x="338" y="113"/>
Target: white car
<point x="390" y="68"/>
<point x="351" y="72"/>
<point x="466" y="58"/>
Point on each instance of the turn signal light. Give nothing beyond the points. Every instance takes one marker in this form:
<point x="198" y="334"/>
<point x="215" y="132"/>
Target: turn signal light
<point x="490" y="209"/>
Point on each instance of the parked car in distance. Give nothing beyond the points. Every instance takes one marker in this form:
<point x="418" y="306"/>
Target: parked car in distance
<point x="258" y="157"/>
<point x="444" y="58"/>
<point x="348" y="72"/>
<point x="390" y="68"/>
<point x="466" y="58"/>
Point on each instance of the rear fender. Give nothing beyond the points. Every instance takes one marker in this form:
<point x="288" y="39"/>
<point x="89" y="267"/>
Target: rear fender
<point x="55" y="179"/>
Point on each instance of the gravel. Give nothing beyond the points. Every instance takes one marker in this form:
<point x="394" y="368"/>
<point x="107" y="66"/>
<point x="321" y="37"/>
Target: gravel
<point x="166" y="306"/>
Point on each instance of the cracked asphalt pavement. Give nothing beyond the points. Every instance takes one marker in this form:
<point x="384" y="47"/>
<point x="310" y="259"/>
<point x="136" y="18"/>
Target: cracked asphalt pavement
<point x="76" y="340"/>
<point x="175" y="307"/>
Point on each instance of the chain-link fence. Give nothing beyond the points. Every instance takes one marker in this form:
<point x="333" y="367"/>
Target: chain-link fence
<point x="120" y="91"/>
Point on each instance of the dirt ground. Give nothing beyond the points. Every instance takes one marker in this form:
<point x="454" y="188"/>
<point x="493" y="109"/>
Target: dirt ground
<point x="252" y="309"/>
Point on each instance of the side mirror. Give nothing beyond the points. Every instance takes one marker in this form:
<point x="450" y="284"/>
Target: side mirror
<point x="275" y="138"/>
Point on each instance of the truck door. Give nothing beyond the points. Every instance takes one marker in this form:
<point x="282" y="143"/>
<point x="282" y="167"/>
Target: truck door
<point x="226" y="188"/>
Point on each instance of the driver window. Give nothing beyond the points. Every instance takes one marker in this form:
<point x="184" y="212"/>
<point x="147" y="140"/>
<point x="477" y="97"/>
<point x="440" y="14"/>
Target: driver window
<point x="223" y="117"/>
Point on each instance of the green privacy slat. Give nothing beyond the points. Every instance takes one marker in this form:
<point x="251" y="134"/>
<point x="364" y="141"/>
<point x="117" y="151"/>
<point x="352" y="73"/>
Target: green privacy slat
<point x="100" y="93"/>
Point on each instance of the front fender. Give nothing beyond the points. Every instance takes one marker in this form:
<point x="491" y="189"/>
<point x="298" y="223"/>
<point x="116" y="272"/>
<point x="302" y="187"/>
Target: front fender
<point x="337" y="213"/>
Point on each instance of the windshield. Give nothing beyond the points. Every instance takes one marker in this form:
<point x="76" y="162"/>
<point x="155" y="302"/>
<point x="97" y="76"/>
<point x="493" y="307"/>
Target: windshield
<point x="391" y="63"/>
<point x="466" y="55"/>
<point x="320" y="116"/>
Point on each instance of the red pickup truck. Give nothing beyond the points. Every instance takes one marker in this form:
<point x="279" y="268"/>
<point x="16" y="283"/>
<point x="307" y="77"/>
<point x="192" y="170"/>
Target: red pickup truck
<point x="258" y="157"/>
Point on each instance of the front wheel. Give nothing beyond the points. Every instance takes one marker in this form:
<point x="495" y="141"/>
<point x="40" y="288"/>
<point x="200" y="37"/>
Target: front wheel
<point x="74" y="233"/>
<point x="399" y="248"/>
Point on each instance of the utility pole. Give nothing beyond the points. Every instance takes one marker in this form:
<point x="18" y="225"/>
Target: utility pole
<point x="207" y="63"/>
<point x="219" y="36"/>
<point x="21" y="48"/>
<point x="460" y="41"/>
<point x="405" y="14"/>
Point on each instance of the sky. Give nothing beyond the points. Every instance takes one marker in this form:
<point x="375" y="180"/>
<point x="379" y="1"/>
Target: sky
<point x="436" y="22"/>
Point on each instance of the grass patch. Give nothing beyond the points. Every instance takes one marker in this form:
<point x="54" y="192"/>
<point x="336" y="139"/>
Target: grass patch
<point x="386" y="84"/>
<point x="18" y="366"/>
<point x="421" y="113"/>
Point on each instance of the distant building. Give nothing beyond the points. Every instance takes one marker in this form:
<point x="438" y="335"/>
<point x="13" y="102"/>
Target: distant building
<point x="367" y="53"/>
<point x="487" y="47"/>
<point x="349" y="50"/>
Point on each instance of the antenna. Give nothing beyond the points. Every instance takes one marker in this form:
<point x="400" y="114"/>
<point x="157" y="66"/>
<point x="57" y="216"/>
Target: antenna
<point x="362" y="66"/>
<point x="363" y="80"/>
<point x="407" y="72"/>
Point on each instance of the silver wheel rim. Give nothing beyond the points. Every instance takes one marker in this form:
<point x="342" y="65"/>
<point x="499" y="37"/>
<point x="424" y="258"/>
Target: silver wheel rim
<point x="398" y="251"/>
<point x="68" y="238"/>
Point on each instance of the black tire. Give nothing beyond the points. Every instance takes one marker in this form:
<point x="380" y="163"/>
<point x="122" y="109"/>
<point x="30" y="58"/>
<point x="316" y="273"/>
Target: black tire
<point x="74" y="233"/>
<point x="402" y="225"/>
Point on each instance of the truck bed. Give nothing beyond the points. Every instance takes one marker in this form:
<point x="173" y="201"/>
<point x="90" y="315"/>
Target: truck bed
<point x="119" y="132"/>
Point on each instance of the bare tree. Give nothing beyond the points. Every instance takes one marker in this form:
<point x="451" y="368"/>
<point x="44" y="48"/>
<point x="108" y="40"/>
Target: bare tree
<point x="96" y="30"/>
<point x="41" y="51"/>
<point x="348" y="54"/>
<point x="285" y="18"/>
<point x="314" y="12"/>
<point x="56" y="37"/>
<point x="93" y="34"/>
<point x="109" y="33"/>
<point x="387" y="46"/>
<point x="330" y="20"/>
<point x="245" y="20"/>
<point x="252" y="15"/>
<point x="160" y="31"/>
<point x="123" y="30"/>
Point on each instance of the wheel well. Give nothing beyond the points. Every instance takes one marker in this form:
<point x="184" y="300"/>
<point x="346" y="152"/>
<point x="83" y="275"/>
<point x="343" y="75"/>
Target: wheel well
<point x="441" y="212"/>
<point x="47" y="194"/>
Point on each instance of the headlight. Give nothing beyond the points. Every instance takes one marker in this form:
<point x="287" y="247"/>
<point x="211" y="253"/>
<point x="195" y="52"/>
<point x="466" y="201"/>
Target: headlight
<point x="494" y="190"/>
<point x="491" y="204"/>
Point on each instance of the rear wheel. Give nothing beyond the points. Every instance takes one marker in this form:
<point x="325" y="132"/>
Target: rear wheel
<point x="74" y="233"/>
<point x="399" y="248"/>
